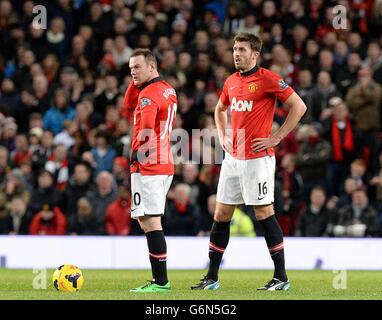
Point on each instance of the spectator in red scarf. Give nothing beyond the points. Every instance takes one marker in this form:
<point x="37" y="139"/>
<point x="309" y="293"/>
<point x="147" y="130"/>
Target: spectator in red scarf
<point x="49" y="221"/>
<point x="118" y="219"/>
<point x="58" y="165"/>
<point x="342" y="134"/>
<point x="182" y="217"/>
<point x="21" y="152"/>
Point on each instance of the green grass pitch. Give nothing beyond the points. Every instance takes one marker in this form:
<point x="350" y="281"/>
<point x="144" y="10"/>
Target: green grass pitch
<point x="235" y="285"/>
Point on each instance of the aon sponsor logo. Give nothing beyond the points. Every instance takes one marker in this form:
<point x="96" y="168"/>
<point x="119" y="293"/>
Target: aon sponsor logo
<point x="241" y="105"/>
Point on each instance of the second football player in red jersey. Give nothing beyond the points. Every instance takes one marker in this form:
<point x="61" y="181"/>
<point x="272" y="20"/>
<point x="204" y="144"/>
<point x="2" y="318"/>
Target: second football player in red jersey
<point x="152" y="167"/>
<point x="248" y="169"/>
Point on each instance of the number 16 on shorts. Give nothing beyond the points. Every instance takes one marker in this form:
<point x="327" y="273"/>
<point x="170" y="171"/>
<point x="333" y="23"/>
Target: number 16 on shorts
<point x="263" y="190"/>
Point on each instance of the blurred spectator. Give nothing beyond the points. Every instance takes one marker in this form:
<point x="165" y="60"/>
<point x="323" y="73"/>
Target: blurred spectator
<point x="248" y="24"/>
<point x="79" y="147"/>
<point x="347" y="75"/>
<point x="34" y="138"/>
<point x="315" y="218"/>
<point x="297" y="15"/>
<point x="281" y="57"/>
<point x="121" y="170"/>
<point x="374" y="60"/>
<point x="376" y="18"/>
<point x="57" y="38"/>
<point x="42" y="153"/>
<point x="105" y="193"/>
<point x="343" y="136"/>
<point x="21" y="152"/>
<point x="364" y="101"/>
<point x="79" y="185"/>
<point x="288" y="145"/>
<point x="106" y="94"/>
<point x="27" y="105"/>
<point x="376" y="181"/>
<point x="4" y="164"/>
<point x="292" y="192"/>
<point x="58" y="166"/>
<point x="102" y="152"/>
<point x="350" y="185"/>
<point x="66" y="81"/>
<point x="111" y="119"/>
<point x="188" y="111"/>
<point x="65" y="137"/>
<point x="39" y="42"/>
<point x="17" y="218"/>
<point x="9" y="97"/>
<point x="35" y="121"/>
<point x="41" y="92"/>
<point x="304" y="89"/>
<point x="9" y="132"/>
<point x="312" y="158"/>
<point x="182" y="218"/>
<point x="56" y="115"/>
<point x="83" y="221"/>
<point x="199" y="191"/>
<point x="321" y="93"/>
<point x="327" y="63"/>
<point x="359" y="219"/>
<point x="49" y="221"/>
<point x="44" y="192"/>
<point x="358" y="171"/>
<point x="232" y="19"/>
<point x="122" y="138"/>
<point x="21" y="76"/>
<point x="206" y="221"/>
<point x="118" y="218"/>
<point x="14" y="185"/>
<point x="50" y="65"/>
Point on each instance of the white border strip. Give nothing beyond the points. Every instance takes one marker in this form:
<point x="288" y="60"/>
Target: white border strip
<point x="188" y="252"/>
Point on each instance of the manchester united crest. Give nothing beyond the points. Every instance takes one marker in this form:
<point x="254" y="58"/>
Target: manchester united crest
<point x="252" y="87"/>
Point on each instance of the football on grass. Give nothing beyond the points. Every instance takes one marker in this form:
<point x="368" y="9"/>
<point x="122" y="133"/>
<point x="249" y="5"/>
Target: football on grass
<point x="68" y="278"/>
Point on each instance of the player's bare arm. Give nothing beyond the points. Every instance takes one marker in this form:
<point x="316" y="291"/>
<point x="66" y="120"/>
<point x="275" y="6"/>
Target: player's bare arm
<point x="297" y="109"/>
<point x="221" y="125"/>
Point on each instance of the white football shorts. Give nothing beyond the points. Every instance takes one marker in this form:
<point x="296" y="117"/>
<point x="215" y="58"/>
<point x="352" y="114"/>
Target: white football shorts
<point x="251" y="181"/>
<point x="148" y="194"/>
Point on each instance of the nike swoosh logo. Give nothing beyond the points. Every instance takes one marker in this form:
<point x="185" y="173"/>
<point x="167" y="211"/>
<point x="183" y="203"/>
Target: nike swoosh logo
<point x="232" y="88"/>
<point x="258" y="198"/>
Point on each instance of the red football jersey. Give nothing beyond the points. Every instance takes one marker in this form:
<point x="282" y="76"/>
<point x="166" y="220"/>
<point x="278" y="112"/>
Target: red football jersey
<point x="251" y="98"/>
<point x="153" y="120"/>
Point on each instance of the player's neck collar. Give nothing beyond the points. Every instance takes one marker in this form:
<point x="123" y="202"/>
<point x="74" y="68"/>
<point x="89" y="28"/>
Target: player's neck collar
<point x="156" y="79"/>
<point x="249" y="72"/>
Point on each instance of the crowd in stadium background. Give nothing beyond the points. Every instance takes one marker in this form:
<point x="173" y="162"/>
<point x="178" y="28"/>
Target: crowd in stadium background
<point x="65" y="140"/>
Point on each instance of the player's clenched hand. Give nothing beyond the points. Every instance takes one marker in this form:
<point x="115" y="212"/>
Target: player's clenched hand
<point x="226" y="143"/>
<point x="260" y="144"/>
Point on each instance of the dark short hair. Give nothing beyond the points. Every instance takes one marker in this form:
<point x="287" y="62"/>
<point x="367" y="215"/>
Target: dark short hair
<point x="254" y="41"/>
<point x="146" y="53"/>
<point x="319" y="188"/>
<point x="103" y="134"/>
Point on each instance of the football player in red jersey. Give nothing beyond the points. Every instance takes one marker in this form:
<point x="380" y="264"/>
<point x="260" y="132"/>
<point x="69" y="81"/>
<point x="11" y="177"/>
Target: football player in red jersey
<point x="151" y="164"/>
<point x="248" y="169"/>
